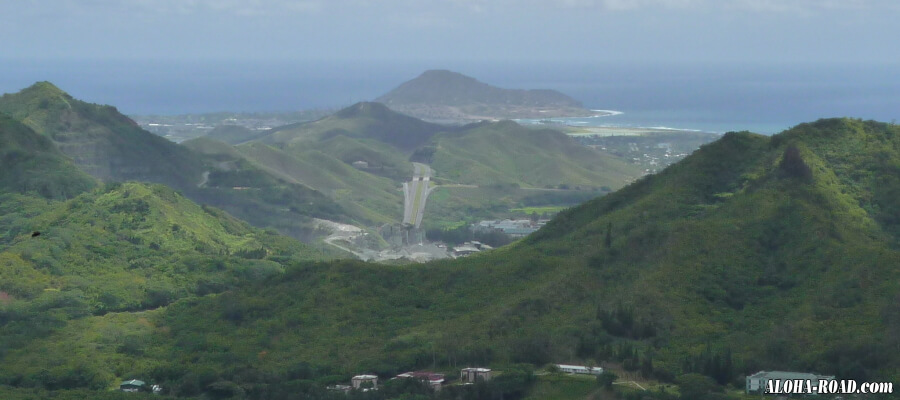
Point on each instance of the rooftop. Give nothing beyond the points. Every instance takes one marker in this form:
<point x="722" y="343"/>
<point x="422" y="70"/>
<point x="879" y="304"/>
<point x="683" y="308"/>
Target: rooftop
<point x="788" y="375"/>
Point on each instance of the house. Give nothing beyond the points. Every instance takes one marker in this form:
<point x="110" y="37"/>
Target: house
<point x="364" y="382"/>
<point x="133" y="385"/>
<point x="473" y="375"/>
<point x="579" y="369"/>
<point x="756" y="383"/>
<point x="434" y="380"/>
<point x="464" y="250"/>
<point x="339" y="388"/>
<point x="360" y="164"/>
<point x="514" y="228"/>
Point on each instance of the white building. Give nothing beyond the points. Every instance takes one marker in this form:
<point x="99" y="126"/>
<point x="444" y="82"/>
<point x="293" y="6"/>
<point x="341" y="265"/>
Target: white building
<point x="756" y="383"/>
<point x="579" y="369"/>
<point x="360" y="382"/>
<point x="473" y="375"/>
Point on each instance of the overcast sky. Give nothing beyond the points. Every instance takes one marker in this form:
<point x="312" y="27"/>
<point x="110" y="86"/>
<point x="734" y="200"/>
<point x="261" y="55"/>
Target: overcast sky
<point x="642" y="31"/>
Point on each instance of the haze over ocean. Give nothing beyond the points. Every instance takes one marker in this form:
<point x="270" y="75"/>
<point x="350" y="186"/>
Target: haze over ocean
<point x="718" y="98"/>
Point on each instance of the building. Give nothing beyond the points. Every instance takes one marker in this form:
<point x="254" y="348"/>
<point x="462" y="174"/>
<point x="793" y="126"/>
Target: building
<point x="756" y="383"/>
<point x="579" y="369"/>
<point x="513" y="227"/>
<point x="464" y="250"/>
<point x="360" y="164"/>
<point x="133" y="385"/>
<point x="434" y="380"/>
<point x="473" y="375"/>
<point x="364" y="382"/>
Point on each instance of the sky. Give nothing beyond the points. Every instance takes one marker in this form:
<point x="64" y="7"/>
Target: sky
<point x="610" y="31"/>
<point x="726" y="62"/>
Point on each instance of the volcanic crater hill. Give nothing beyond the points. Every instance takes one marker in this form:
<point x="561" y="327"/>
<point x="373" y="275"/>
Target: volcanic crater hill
<point x="448" y="96"/>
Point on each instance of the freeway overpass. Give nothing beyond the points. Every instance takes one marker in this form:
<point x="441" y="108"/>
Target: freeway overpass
<point x="415" y="193"/>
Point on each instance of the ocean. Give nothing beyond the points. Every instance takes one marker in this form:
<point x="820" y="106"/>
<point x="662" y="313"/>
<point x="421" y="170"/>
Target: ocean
<point x="725" y="97"/>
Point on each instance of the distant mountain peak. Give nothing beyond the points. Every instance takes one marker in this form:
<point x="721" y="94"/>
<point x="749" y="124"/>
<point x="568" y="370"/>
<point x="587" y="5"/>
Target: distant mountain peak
<point x="446" y="74"/>
<point x="44" y="89"/>
<point x="365" y="108"/>
<point x="441" y="94"/>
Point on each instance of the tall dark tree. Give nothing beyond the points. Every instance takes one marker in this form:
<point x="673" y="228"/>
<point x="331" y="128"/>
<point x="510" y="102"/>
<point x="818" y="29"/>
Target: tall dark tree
<point x="793" y="166"/>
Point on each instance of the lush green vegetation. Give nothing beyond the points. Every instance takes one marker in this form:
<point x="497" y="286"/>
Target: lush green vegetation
<point x="101" y="141"/>
<point x="729" y="262"/>
<point x="753" y="253"/>
<point x="30" y="163"/>
<point x="365" y="197"/>
<point x="506" y="152"/>
<point x="258" y="195"/>
<point x="105" y="257"/>
<point x="362" y="120"/>
<point x="563" y="387"/>
<point x="111" y="147"/>
<point x="233" y="134"/>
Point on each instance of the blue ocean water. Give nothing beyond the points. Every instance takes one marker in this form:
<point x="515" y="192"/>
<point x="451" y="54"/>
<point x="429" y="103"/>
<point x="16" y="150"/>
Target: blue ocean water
<point x="717" y="98"/>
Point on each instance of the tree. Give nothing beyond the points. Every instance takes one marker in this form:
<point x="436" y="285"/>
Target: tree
<point x="695" y="386"/>
<point x="792" y="164"/>
<point x="606" y="379"/>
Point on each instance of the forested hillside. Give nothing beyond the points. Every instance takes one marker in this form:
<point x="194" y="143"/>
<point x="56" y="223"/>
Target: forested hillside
<point x="101" y="141"/>
<point x="109" y="146"/>
<point x="775" y="253"/>
<point x="30" y="163"/>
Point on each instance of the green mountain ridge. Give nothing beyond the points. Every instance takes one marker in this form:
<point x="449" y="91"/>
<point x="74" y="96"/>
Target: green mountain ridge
<point x="101" y="141"/>
<point x="506" y="152"/>
<point x="361" y="120"/>
<point x="111" y="147"/>
<point x="233" y="134"/>
<point x="366" y="197"/>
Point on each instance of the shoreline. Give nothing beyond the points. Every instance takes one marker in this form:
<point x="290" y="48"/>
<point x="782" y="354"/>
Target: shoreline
<point x="585" y="128"/>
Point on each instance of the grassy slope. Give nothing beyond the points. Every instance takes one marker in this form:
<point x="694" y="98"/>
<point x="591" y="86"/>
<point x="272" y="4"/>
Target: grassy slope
<point x="111" y="147"/>
<point x="362" y="120"/>
<point x="725" y="252"/>
<point x="112" y="253"/>
<point x="30" y="162"/>
<point x="508" y="153"/>
<point x="233" y="134"/>
<point x="101" y="141"/>
<point x="124" y="239"/>
<point x="366" y="197"/>
<point x="255" y="194"/>
<point x="383" y="159"/>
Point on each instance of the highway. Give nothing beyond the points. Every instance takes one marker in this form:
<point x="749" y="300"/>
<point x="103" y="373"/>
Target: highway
<point x="415" y="193"/>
